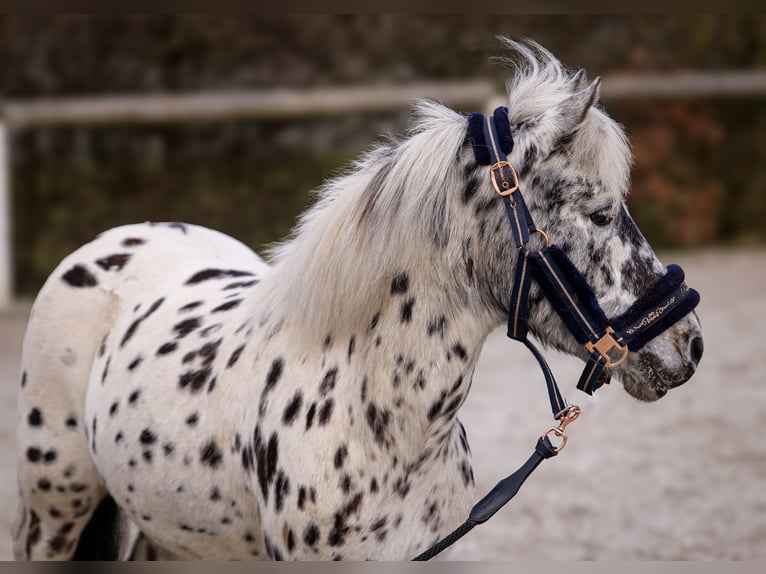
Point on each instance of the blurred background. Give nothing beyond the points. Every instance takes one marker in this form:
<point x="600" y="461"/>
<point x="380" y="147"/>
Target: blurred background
<point x="698" y="193"/>
<point x="696" y="182"/>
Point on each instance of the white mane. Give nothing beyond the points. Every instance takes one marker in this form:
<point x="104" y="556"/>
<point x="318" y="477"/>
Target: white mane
<point x="366" y="224"/>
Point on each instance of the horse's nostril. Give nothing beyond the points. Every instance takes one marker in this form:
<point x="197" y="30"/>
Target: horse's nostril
<point x="696" y="348"/>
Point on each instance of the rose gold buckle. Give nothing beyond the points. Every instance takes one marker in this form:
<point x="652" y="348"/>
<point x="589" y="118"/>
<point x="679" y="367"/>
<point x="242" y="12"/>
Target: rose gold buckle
<point x="566" y="417"/>
<point x="504" y="188"/>
<point x="606" y="344"/>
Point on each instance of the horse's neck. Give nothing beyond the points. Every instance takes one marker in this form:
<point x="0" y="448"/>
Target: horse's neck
<point x="413" y="366"/>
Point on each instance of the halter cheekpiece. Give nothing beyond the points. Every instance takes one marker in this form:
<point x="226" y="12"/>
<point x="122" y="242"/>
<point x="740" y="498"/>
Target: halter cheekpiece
<point x="609" y="341"/>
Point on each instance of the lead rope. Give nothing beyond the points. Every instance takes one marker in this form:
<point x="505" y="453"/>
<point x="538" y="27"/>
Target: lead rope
<point x="506" y="488"/>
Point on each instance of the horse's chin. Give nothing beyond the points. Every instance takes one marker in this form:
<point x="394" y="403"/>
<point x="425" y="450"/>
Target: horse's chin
<point x="648" y="379"/>
<point x="644" y="389"/>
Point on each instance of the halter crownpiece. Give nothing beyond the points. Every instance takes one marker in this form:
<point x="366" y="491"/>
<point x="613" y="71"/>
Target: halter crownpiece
<point x="607" y="340"/>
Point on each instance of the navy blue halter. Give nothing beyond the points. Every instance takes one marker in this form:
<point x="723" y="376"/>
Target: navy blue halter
<point x="607" y="340"/>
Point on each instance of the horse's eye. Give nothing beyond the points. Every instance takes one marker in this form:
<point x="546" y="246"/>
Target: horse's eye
<point x="602" y="217"/>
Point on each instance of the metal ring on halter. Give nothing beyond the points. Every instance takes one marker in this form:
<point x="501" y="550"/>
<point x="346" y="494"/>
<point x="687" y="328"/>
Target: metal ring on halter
<point x="541" y="232"/>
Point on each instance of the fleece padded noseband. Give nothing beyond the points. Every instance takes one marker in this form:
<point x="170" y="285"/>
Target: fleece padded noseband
<point x="570" y="295"/>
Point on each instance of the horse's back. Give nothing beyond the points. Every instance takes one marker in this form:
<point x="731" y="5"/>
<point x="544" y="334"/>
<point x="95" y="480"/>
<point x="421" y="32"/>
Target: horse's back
<point x="93" y="305"/>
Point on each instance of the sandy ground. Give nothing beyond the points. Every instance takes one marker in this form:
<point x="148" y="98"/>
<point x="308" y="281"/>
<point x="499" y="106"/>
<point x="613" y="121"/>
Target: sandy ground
<point x="683" y="478"/>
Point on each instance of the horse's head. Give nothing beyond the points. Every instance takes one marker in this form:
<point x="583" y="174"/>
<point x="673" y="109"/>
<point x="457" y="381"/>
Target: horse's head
<point x="573" y="163"/>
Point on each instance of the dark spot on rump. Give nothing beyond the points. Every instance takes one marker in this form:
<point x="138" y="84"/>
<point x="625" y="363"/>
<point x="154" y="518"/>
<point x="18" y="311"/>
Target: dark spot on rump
<point x="311" y="534"/>
<point x="132" y="241"/>
<point x="187" y="326"/>
<point x="325" y="412"/>
<point x="35" y="418"/>
<point x="340" y="456"/>
<point x="192" y="419"/>
<point x="281" y="490"/>
<point x="113" y="408"/>
<point x="189" y="306"/>
<point x="134" y="363"/>
<point x="147" y="437"/>
<point x="195" y="380"/>
<point x="133" y="397"/>
<point x="113" y="262"/>
<point x="374" y="322"/>
<point x="226" y="306"/>
<point x="290" y="540"/>
<point x="378" y="420"/>
<point x="208" y="274"/>
<point x="351" y="345"/>
<point x="240" y="284"/>
<point x="134" y="326"/>
<point x="328" y="382"/>
<point x="275" y="373"/>
<point x="34" y="454"/>
<point x="292" y="409"/>
<point x="79" y="276"/>
<point x="167" y="348"/>
<point x="301" y="497"/>
<point x="235" y="356"/>
<point x="105" y="372"/>
<point x="310" y="415"/>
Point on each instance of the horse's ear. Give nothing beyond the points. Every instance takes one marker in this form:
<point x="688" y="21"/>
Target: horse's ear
<point x="572" y="111"/>
<point x="579" y="80"/>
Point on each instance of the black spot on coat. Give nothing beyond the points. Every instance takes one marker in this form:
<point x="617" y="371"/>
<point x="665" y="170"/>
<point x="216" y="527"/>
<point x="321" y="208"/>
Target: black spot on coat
<point x="35" y="418"/>
<point x="79" y="276"/>
<point x="113" y="262"/>
<point x="400" y="283"/>
<point x="211" y="454"/>
<point x="292" y="409"/>
<point x="208" y="274"/>
<point x="406" y="310"/>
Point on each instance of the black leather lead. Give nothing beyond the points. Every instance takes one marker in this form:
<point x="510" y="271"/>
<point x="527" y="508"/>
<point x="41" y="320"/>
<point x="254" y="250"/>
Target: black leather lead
<point x="494" y="500"/>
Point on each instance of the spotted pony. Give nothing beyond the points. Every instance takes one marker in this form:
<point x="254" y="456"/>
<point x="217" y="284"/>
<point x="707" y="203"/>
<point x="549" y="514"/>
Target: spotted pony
<point x="215" y="406"/>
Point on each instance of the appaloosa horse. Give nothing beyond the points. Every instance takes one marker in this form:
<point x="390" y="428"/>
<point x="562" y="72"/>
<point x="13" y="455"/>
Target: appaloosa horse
<point x="307" y="408"/>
